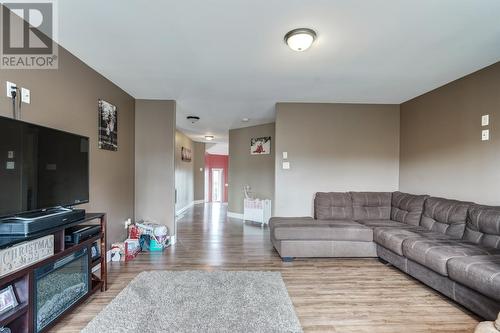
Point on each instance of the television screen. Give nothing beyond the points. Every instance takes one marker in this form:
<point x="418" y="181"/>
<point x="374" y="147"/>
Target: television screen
<point x="41" y="167"/>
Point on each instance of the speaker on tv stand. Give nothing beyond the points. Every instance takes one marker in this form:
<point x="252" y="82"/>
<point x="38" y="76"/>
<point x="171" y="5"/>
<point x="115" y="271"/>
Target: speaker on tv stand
<point x="32" y="222"/>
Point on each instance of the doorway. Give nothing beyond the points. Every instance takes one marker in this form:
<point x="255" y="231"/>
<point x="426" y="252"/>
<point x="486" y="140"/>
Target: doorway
<point x="217" y="184"/>
<point x="216" y="172"/>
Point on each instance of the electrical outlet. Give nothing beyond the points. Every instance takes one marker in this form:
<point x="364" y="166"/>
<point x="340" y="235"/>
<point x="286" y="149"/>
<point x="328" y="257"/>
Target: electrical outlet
<point x="9" y="87"/>
<point x="25" y="96"/>
<point x="286" y="165"/>
<point x="485" y="120"/>
<point x="485" y="135"/>
<point x="10" y="165"/>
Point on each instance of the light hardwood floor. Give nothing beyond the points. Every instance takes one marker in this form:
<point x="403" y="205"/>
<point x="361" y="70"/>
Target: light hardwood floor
<point x="329" y="295"/>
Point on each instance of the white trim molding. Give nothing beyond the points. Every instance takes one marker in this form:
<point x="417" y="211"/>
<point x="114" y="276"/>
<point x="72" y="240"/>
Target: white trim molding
<point x="235" y="215"/>
<point x="183" y="209"/>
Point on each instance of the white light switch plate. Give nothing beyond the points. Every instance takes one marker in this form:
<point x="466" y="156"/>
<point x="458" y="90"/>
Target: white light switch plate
<point x="9" y="86"/>
<point x="285" y="155"/>
<point x="286" y="165"/>
<point x="10" y="154"/>
<point x="25" y="96"/>
<point x="485" y="120"/>
<point x="485" y="135"/>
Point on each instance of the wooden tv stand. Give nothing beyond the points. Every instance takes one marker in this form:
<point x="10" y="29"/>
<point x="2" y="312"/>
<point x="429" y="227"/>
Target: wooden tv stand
<point x="21" y="318"/>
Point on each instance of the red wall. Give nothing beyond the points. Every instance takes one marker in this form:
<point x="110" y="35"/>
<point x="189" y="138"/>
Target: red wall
<point x="216" y="162"/>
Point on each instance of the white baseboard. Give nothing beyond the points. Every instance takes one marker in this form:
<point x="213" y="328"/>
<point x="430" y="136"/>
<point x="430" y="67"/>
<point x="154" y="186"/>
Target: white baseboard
<point x="183" y="209"/>
<point x="235" y="215"/>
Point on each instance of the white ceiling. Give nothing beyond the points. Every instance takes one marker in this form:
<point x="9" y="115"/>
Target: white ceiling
<point x="225" y="59"/>
<point x="217" y="148"/>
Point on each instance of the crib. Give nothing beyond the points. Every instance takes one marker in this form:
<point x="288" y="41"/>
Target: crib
<point x="257" y="210"/>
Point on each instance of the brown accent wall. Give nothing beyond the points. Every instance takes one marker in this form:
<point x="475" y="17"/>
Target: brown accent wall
<point x="154" y="162"/>
<point x="199" y="170"/>
<point x="441" y="149"/>
<point x="246" y="169"/>
<point x="184" y="172"/>
<point x="334" y="147"/>
<point x="66" y="99"/>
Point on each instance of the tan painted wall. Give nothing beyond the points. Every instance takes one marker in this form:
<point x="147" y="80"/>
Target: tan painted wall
<point x="66" y="99"/>
<point x="184" y="172"/>
<point x="154" y="162"/>
<point x="245" y="169"/>
<point x="334" y="147"/>
<point x="441" y="149"/>
<point x="199" y="175"/>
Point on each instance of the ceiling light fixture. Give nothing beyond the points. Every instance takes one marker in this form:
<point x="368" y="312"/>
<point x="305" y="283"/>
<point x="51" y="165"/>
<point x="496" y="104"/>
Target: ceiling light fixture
<point x="300" y="39"/>
<point x="245" y="120"/>
<point x="193" y="119"/>
<point x="209" y="137"/>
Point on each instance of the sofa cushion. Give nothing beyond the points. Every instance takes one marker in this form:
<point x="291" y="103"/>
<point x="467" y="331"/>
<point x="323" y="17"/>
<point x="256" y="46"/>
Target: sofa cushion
<point x="483" y="226"/>
<point x="435" y="253"/>
<point x="332" y="206"/>
<point x="322" y="230"/>
<point x="445" y="216"/>
<point x="276" y="221"/>
<point x="371" y="205"/>
<point x="407" y="208"/>
<point x="383" y="223"/>
<point x="393" y="238"/>
<point x="481" y="273"/>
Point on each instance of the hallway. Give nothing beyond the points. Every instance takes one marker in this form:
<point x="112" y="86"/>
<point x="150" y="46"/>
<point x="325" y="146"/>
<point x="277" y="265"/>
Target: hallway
<point x="329" y="295"/>
<point x="207" y="237"/>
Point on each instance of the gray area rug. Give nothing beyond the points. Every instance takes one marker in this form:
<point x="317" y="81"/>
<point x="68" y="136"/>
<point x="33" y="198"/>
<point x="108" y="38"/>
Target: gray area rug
<point x="197" y="301"/>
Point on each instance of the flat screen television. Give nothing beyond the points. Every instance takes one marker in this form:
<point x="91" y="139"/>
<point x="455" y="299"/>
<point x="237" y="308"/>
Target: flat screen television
<point x="41" y="168"/>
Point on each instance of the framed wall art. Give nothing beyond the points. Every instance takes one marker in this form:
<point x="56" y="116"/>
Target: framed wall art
<point x="186" y="154"/>
<point x="108" y="126"/>
<point x="260" y="146"/>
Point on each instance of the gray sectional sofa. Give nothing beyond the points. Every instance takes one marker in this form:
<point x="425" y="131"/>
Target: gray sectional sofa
<point x="452" y="246"/>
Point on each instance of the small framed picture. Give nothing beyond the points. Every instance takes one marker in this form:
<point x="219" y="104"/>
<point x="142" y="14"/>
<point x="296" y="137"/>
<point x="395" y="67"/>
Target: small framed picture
<point x="260" y="146"/>
<point x="95" y="251"/>
<point x="186" y="154"/>
<point x="8" y="299"/>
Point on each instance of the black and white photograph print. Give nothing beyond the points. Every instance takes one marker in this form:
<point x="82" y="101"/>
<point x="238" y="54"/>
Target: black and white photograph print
<point x="108" y="126"/>
<point x="260" y="146"/>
